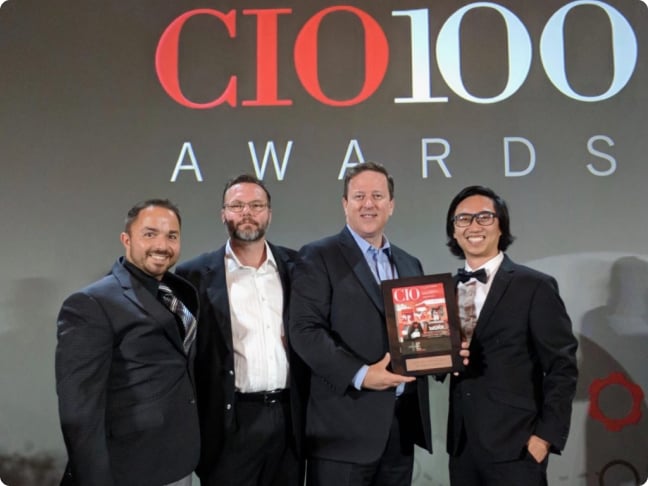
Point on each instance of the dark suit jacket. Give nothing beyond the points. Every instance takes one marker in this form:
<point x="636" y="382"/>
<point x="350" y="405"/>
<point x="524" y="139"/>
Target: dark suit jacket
<point x="337" y="325"/>
<point x="126" y="397"/>
<point x="215" y="355"/>
<point x="522" y="373"/>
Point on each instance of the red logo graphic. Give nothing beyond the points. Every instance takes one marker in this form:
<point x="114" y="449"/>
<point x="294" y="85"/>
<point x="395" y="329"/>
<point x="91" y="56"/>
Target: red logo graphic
<point x="595" y="411"/>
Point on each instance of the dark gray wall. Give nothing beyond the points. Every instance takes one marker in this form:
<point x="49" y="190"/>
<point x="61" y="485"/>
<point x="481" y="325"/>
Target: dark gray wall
<point x="87" y="129"/>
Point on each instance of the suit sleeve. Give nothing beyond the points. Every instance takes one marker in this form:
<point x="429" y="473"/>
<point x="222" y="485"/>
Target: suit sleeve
<point x="310" y="322"/>
<point x="83" y="358"/>
<point x="556" y="346"/>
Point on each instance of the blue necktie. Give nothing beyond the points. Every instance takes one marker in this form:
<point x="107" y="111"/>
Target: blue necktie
<point x="179" y="309"/>
<point x="374" y="255"/>
<point x="388" y="274"/>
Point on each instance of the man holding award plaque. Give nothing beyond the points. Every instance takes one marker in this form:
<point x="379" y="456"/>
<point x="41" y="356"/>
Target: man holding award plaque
<point x="512" y="404"/>
<point x="362" y="419"/>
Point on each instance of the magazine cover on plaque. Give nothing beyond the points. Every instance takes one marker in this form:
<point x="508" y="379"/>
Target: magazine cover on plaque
<point x="422" y="324"/>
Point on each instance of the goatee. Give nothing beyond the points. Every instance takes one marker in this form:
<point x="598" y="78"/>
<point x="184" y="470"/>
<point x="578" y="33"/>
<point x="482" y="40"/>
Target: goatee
<point x="248" y="235"/>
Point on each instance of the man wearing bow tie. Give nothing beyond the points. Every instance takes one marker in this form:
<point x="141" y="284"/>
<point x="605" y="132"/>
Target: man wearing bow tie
<point x="512" y="405"/>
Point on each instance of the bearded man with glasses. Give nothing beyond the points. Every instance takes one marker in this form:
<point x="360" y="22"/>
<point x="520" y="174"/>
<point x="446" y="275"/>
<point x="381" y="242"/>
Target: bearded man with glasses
<point x="512" y="404"/>
<point x="248" y="379"/>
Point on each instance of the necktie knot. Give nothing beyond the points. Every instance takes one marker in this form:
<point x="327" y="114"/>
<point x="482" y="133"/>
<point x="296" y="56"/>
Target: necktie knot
<point x="165" y="291"/>
<point x="464" y="275"/>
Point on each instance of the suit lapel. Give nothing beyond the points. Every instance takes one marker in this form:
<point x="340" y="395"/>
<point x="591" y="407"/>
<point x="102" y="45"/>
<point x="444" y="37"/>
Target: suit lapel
<point x="216" y="288"/>
<point x="284" y="275"/>
<point x="358" y="264"/>
<point x="404" y="266"/>
<point x="148" y="304"/>
<point x="501" y="281"/>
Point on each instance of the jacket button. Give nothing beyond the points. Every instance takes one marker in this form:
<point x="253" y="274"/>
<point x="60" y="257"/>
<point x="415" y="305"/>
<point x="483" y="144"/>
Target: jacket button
<point x="231" y="372"/>
<point x="192" y="401"/>
<point x="228" y="406"/>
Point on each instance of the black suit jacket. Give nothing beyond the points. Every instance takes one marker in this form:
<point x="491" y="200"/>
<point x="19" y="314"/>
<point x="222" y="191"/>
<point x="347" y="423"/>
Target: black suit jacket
<point x="126" y="396"/>
<point x="521" y="379"/>
<point x="337" y="325"/>
<point x="215" y="354"/>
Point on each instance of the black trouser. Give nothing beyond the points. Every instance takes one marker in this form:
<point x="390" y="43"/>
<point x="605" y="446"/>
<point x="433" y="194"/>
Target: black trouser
<point x="471" y="468"/>
<point x="393" y="468"/>
<point x="259" y="450"/>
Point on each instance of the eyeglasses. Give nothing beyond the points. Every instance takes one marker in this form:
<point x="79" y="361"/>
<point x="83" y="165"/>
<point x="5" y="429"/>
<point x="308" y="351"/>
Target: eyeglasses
<point x="483" y="218"/>
<point x="238" y="207"/>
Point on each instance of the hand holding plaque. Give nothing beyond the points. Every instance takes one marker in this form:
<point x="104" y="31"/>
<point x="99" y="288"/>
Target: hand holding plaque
<point x="422" y="324"/>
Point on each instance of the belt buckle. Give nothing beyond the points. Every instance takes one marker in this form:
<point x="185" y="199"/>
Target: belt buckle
<point x="269" y="399"/>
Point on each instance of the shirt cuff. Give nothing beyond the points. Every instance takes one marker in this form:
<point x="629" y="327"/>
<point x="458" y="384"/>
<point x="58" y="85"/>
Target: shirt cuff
<point x="359" y="377"/>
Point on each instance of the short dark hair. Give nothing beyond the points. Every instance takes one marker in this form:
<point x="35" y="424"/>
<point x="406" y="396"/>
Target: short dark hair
<point x="158" y="203"/>
<point x="246" y="179"/>
<point x="374" y="166"/>
<point x="501" y="210"/>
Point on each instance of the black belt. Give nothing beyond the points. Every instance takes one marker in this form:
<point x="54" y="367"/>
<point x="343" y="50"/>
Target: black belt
<point x="265" y="397"/>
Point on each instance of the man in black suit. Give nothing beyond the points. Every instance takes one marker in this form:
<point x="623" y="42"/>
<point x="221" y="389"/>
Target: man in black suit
<point x="362" y="420"/>
<point x="124" y="364"/>
<point x="248" y="379"/>
<point x="512" y="404"/>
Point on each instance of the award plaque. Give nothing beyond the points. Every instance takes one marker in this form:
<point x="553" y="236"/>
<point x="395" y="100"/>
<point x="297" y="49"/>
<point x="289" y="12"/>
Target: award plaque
<point x="422" y="324"/>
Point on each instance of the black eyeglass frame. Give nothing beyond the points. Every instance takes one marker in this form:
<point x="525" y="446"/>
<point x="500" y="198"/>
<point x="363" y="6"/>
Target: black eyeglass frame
<point x="254" y="206"/>
<point x="475" y="217"/>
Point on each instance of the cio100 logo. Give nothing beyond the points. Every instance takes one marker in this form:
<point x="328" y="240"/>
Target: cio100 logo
<point x="406" y="294"/>
<point x="376" y="55"/>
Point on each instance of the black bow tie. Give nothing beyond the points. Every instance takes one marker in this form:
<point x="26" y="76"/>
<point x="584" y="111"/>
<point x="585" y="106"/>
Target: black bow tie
<point x="464" y="275"/>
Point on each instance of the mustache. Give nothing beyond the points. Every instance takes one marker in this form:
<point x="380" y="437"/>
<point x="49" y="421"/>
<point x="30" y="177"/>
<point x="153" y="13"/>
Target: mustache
<point x="247" y="221"/>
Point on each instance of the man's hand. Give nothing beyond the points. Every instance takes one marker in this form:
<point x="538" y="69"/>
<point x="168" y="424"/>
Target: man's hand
<point x="538" y="448"/>
<point x="464" y="352"/>
<point x="378" y="378"/>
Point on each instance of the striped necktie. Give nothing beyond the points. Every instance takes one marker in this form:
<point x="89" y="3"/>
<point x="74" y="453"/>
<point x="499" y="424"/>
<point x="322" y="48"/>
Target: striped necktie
<point x="179" y="309"/>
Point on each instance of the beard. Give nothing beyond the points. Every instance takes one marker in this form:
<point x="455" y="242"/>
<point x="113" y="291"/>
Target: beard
<point x="237" y="232"/>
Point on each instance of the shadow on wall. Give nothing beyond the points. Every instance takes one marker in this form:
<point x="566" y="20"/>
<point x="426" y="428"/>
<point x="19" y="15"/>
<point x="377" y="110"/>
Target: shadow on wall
<point x="614" y="379"/>
<point x="31" y="443"/>
<point x="36" y="470"/>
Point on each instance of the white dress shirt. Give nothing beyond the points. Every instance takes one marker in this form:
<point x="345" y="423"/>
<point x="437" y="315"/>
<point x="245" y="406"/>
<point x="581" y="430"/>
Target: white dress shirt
<point x="256" y="311"/>
<point x="481" y="290"/>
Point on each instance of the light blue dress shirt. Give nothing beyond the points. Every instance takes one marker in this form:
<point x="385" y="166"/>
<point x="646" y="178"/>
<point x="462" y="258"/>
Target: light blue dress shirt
<point x="382" y="267"/>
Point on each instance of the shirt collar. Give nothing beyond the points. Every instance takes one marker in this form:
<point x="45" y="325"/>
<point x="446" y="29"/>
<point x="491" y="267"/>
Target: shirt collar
<point x="233" y="263"/>
<point x="150" y="283"/>
<point x="490" y="266"/>
<point x="365" y="245"/>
